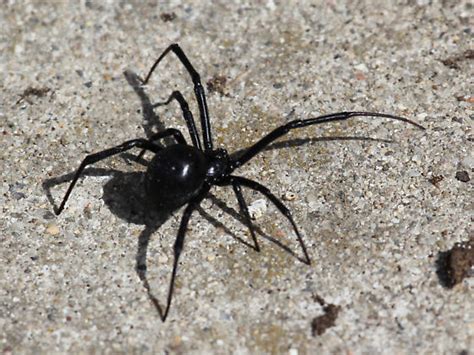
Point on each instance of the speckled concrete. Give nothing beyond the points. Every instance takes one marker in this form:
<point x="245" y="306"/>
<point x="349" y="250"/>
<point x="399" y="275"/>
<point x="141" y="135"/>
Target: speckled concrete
<point x="376" y="200"/>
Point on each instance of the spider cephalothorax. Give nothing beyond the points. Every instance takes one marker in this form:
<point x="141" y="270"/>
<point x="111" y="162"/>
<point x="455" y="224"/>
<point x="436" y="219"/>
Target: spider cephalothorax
<point x="183" y="174"/>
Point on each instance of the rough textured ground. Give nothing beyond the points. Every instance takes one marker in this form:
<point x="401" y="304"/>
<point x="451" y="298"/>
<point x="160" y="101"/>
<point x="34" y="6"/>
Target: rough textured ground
<point x="377" y="201"/>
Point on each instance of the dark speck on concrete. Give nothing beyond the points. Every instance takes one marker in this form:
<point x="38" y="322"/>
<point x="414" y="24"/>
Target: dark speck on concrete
<point x="462" y="176"/>
<point x="436" y="179"/>
<point x="168" y="16"/>
<point x="456" y="264"/>
<point x="327" y="320"/>
<point x="217" y="84"/>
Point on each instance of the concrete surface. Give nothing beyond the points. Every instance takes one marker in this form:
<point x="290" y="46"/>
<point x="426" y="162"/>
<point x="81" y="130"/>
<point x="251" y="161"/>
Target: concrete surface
<point x="376" y="200"/>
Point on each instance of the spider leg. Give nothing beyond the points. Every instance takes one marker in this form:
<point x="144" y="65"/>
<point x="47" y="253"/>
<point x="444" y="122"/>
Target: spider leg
<point x="278" y="204"/>
<point x="177" y="135"/>
<point x="282" y="130"/>
<point x="94" y="158"/>
<point x="198" y="90"/>
<point x="187" y="115"/>
<point x="245" y="211"/>
<point x="179" y="243"/>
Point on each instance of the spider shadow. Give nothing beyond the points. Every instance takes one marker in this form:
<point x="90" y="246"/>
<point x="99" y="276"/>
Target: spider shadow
<point x="150" y="118"/>
<point x="125" y="196"/>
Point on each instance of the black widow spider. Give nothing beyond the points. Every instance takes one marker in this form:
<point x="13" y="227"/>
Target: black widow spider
<point x="181" y="173"/>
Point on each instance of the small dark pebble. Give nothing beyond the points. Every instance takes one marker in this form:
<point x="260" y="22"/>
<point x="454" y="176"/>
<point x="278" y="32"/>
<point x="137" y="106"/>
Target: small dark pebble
<point x="88" y="84"/>
<point x="48" y="215"/>
<point x="31" y="91"/>
<point x="168" y="16"/>
<point x="321" y="323"/>
<point x="435" y="179"/>
<point x="456" y="264"/>
<point x="325" y="321"/>
<point x="217" y="84"/>
<point x="18" y="195"/>
<point x="453" y="61"/>
<point x="462" y="176"/>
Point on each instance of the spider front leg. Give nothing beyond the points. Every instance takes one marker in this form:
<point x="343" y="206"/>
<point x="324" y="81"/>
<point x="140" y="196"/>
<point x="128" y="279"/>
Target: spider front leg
<point x="179" y="243"/>
<point x="94" y="158"/>
<point x="198" y="90"/>
<point x="282" y="130"/>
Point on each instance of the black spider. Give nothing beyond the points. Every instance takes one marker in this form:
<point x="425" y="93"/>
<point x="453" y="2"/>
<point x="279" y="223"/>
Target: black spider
<point x="181" y="173"/>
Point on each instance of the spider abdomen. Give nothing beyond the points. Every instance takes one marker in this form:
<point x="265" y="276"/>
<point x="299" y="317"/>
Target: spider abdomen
<point x="175" y="175"/>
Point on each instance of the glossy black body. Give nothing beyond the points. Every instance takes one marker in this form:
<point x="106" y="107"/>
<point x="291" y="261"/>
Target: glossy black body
<point x="182" y="174"/>
<point x="175" y="175"/>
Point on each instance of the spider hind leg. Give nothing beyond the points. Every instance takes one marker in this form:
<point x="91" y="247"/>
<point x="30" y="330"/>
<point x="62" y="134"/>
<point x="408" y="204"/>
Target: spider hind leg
<point x="96" y="157"/>
<point x="179" y="244"/>
<point x="245" y="211"/>
<point x="253" y="185"/>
